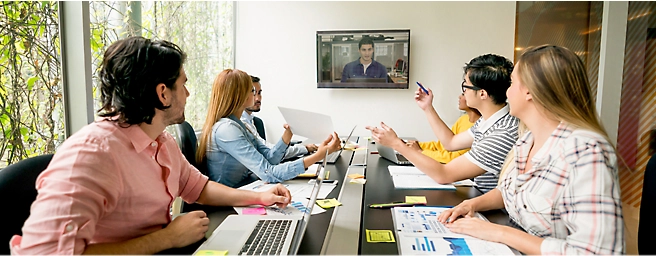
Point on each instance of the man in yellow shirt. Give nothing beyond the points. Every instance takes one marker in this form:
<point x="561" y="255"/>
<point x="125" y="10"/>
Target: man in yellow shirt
<point x="434" y="149"/>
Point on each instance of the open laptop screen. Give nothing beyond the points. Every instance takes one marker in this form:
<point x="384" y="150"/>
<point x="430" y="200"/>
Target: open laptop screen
<point x="300" y="229"/>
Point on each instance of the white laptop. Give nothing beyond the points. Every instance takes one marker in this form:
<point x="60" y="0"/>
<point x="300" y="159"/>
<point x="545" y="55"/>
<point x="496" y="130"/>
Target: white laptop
<point x="391" y="154"/>
<point x="261" y="234"/>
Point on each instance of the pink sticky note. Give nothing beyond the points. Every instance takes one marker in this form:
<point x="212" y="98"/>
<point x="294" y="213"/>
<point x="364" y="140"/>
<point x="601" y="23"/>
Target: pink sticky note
<point x="254" y="211"/>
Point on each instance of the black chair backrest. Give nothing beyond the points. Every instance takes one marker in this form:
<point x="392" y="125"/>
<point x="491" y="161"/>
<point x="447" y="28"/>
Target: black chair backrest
<point x="647" y="209"/>
<point x="188" y="141"/>
<point x="18" y="191"/>
<point x="259" y="125"/>
<point x="189" y="144"/>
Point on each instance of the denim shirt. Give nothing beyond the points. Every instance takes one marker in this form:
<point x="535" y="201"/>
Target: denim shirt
<point x="234" y="155"/>
<point x="292" y="151"/>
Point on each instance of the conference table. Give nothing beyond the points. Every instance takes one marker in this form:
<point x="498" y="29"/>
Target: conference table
<point x="381" y="189"/>
<point x="341" y="230"/>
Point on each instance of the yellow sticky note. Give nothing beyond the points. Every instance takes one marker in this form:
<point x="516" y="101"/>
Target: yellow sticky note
<point x="328" y="203"/>
<point x="415" y="199"/>
<point x="380" y="236"/>
<point x="211" y="252"/>
<point x="355" y="176"/>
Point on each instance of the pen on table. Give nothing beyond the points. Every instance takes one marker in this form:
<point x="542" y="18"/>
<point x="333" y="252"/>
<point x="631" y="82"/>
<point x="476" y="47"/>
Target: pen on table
<point x="422" y="87"/>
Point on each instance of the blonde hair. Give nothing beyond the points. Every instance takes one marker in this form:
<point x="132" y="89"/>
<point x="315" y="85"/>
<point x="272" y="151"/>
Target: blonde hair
<point x="510" y="158"/>
<point x="558" y="82"/>
<point x="229" y="92"/>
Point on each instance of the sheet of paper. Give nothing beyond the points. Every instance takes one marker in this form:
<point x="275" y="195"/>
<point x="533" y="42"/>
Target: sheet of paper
<point x="380" y="236"/>
<point x="328" y="203"/>
<point x="421" y="244"/>
<point x="358" y="181"/>
<point x="407" y="181"/>
<point x="416" y="199"/>
<point x="397" y="170"/>
<point x="411" y="170"/>
<point x="296" y="189"/>
<point x="465" y="183"/>
<point x="297" y="207"/>
<point x="311" y="125"/>
<point x="422" y="220"/>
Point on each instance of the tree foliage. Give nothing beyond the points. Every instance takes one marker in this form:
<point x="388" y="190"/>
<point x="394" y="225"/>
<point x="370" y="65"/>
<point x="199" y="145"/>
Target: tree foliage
<point x="31" y="102"/>
<point x="204" y="30"/>
<point x="31" y="117"/>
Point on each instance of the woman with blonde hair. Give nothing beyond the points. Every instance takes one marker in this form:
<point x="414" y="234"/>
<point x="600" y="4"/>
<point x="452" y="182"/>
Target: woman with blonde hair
<point x="562" y="185"/>
<point x="234" y="156"/>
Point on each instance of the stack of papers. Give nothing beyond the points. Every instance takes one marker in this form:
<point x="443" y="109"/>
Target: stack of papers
<point x="409" y="177"/>
<point x="419" y="232"/>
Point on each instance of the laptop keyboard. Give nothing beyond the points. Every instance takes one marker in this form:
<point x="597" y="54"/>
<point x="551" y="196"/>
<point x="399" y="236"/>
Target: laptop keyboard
<point x="267" y="238"/>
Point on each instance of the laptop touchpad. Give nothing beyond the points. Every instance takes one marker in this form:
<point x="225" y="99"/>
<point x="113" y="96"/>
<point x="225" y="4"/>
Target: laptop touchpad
<point x="227" y="239"/>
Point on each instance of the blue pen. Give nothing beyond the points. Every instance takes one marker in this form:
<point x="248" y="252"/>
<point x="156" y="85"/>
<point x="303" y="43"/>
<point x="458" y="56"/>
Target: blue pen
<point x="422" y="87"/>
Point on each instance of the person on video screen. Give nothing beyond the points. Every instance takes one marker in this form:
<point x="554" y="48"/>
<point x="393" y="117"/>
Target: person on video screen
<point x="365" y="66"/>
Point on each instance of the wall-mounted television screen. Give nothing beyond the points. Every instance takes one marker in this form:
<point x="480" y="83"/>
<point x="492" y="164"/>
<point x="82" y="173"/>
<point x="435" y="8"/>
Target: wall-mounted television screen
<point x="363" y="59"/>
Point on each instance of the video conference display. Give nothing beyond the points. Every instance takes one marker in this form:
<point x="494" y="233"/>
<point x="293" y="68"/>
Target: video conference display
<point x="363" y="59"/>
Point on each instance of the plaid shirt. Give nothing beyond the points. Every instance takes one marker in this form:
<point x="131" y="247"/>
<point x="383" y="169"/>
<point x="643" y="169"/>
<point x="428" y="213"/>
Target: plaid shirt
<point x="571" y="196"/>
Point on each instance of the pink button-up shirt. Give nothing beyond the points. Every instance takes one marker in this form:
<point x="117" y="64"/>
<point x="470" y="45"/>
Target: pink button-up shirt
<point x="106" y="184"/>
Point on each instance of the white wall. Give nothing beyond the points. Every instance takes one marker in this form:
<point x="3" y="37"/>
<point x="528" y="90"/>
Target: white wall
<point x="276" y="42"/>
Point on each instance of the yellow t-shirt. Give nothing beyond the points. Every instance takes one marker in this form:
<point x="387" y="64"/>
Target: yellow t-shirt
<point x="435" y="150"/>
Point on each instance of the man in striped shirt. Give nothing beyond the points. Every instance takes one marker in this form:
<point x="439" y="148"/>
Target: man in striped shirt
<point x="486" y="79"/>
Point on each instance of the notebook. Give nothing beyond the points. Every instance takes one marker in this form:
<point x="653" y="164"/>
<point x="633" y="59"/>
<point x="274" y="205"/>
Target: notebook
<point x="248" y="235"/>
<point x="391" y="154"/>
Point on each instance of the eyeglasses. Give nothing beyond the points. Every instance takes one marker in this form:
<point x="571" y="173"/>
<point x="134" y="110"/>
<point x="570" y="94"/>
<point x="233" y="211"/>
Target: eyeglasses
<point x="464" y="86"/>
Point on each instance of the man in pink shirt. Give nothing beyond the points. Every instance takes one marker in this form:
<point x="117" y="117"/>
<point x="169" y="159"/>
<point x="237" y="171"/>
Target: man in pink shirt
<point x="109" y="187"/>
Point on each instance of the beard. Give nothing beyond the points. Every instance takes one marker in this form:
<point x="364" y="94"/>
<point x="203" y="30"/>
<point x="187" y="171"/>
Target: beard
<point x="179" y="119"/>
<point x="175" y="114"/>
<point x="254" y="108"/>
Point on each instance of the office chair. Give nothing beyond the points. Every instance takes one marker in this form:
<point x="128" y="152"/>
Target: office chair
<point x="18" y="190"/>
<point x="647" y="223"/>
<point x="259" y="125"/>
<point x="188" y="142"/>
<point x="188" y="145"/>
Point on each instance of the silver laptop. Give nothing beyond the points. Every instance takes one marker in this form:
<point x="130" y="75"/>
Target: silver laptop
<point x="261" y="234"/>
<point x="391" y="154"/>
<point x="332" y="158"/>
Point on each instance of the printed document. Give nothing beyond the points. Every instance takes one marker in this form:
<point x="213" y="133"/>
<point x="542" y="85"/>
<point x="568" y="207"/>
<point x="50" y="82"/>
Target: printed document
<point x="418" y="233"/>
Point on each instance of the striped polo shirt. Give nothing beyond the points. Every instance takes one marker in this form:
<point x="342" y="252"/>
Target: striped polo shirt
<point x="493" y="139"/>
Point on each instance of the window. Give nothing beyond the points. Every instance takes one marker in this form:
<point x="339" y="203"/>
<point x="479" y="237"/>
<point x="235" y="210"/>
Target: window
<point x="31" y="106"/>
<point x="204" y="30"/>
